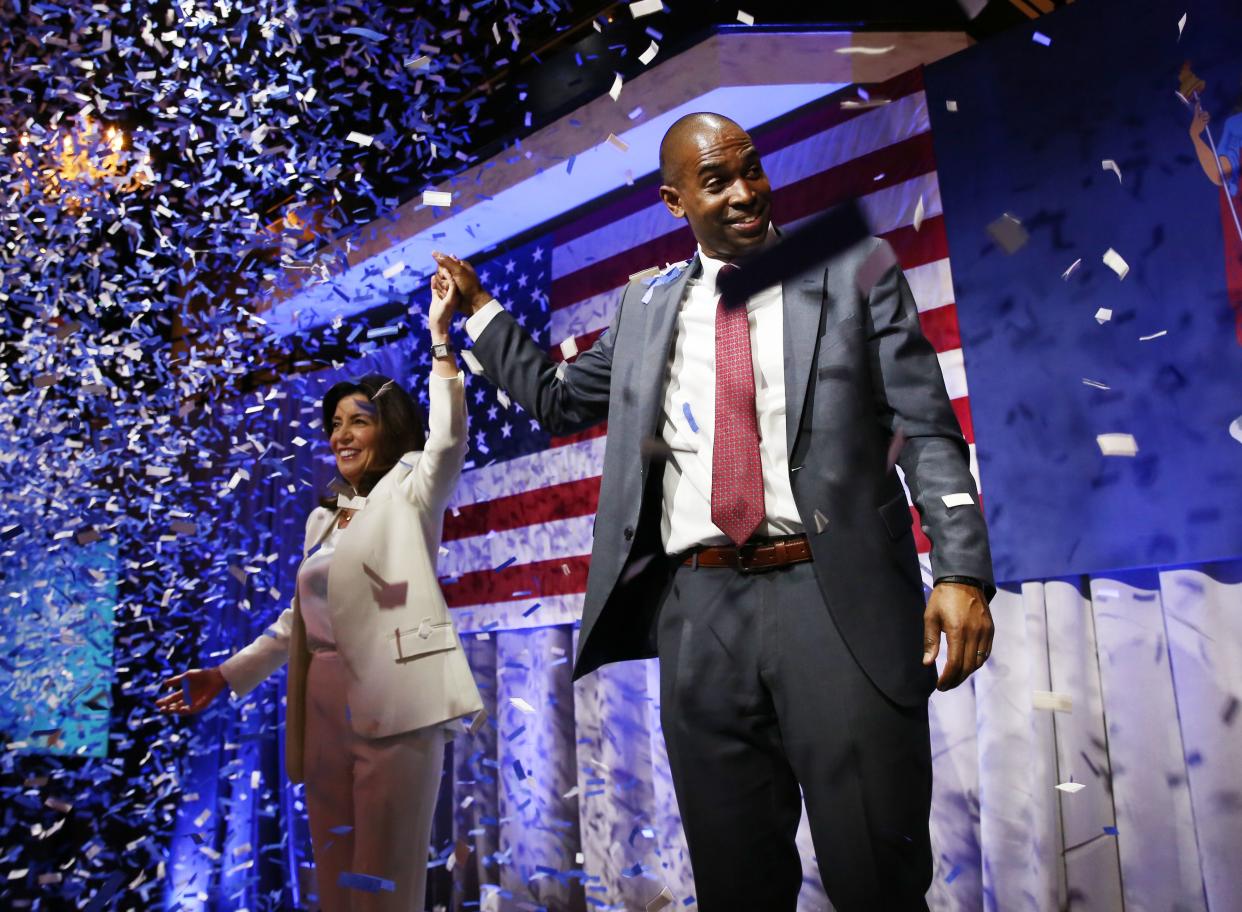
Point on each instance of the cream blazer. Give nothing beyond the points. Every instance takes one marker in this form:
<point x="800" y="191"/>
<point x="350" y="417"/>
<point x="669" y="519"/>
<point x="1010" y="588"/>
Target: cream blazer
<point x="406" y="666"/>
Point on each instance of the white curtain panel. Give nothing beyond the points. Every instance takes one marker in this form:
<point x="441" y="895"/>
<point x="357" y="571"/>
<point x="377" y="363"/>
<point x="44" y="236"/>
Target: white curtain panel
<point x="1123" y="689"/>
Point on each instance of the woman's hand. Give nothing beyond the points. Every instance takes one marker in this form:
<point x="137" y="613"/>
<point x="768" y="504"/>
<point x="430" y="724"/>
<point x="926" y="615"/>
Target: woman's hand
<point x="193" y="691"/>
<point x="470" y="292"/>
<point x="444" y="297"/>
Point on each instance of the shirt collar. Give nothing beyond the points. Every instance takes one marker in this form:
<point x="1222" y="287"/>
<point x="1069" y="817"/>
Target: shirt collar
<point x="711" y="265"/>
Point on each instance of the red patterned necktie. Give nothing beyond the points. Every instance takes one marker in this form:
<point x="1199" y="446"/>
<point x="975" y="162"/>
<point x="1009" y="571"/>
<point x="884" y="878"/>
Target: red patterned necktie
<point x="737" y="471"/>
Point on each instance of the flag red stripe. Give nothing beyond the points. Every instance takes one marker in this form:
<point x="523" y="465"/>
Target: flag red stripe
<point x="599" y="430"/>
<point x="918" y="248"/>
<point x="921" y="542"/>
<point x="940" y="326"/>
<point x="531" y="507"/>
<point x="961" y="408"/>
<point x="795" y="127"/>
<point x="584" y="341"/>
<point x="897" y="163"/>
<point x="520" y="581"/>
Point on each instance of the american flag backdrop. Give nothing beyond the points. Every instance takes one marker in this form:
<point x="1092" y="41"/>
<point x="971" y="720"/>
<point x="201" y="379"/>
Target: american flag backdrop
<point x="517" y="539"/>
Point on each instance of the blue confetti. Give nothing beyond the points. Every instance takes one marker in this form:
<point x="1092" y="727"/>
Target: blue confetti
<point x="685" y="410"/>
<point x="366" y="33"/>
<point x="106" y="892"/>
<point x="365" y="882"/>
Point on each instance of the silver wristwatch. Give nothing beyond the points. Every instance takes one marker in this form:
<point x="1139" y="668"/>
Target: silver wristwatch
<point x="441" y="350"/>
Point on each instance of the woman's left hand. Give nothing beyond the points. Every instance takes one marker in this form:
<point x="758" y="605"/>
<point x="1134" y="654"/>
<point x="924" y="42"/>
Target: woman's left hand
<point x="443" y="304"/>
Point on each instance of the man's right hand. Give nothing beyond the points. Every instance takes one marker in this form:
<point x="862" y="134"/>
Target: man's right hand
<point x="471" y="296"/>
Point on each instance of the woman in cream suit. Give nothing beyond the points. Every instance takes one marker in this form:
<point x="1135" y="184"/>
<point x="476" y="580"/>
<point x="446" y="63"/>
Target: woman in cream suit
<point x="375" y="666"/>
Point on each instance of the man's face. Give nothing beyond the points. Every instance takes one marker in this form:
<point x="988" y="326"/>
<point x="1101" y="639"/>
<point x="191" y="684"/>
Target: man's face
<point x="720" y="187"/>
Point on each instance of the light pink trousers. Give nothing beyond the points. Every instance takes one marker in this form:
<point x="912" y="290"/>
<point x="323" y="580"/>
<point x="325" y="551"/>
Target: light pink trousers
<point x="378" y="794"/>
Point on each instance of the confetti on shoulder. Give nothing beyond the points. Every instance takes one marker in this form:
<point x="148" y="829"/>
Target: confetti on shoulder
<point x="439" y="198"/>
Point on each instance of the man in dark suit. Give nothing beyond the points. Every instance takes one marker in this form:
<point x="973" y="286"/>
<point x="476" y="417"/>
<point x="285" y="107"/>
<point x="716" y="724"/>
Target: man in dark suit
<point x="751" y="532"/>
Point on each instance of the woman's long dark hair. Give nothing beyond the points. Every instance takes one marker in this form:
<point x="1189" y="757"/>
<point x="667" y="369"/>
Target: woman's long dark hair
<point x="399" y="426"/>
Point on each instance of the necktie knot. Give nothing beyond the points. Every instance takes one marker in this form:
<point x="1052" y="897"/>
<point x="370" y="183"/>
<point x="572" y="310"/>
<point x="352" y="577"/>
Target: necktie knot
<point x="722" y="279"/>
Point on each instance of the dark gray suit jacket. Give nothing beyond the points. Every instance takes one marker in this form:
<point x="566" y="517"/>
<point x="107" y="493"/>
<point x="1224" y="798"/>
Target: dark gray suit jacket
<point x="857" y="369"/>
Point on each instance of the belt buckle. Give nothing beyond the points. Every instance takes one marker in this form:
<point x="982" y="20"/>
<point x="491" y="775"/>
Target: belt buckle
<point x="745" y="554"/>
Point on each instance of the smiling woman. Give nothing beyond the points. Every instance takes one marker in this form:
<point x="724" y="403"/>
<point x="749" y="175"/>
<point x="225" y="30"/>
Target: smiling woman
<point x="376" y="671"/>
<point x="370" y="423"/>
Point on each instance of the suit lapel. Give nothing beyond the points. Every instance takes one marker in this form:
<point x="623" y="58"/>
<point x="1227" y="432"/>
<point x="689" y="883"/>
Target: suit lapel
<point x="803" y="302"/>
<point x="661" y="318"/>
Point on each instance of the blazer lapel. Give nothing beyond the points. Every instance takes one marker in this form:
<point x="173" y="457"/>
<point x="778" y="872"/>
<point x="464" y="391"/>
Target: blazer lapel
<point x="661" y="318"/>
<point x="320" y="534"/>
<point x="803" y="300"/>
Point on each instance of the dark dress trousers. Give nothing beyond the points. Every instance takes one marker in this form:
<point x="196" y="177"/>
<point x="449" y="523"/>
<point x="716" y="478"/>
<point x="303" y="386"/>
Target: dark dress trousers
<point x="807" y="676"/>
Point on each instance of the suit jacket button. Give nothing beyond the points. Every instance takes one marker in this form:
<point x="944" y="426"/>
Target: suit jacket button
<point x="629" y="532"/>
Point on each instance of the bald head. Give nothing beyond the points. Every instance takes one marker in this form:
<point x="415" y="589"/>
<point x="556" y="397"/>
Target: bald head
<point x="712" y="177"/>
<point x="683" y="139"/>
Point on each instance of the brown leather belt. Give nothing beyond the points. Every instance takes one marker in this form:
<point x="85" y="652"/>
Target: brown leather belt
<point x="752" y="556"/>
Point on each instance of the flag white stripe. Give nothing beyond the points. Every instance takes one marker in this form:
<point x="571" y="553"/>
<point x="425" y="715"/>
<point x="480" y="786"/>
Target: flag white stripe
<point x="954" y="372"/>
<point x="513" y="615"/>
<point x="558" y="538"/>
<point x="931" y="284"/>
<point x="571" y="462"/>
<point x="586" y="316"/>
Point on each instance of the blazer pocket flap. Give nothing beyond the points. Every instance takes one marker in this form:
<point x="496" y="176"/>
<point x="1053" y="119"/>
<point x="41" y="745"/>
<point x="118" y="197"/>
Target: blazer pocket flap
<point x="413" y="642"/>
<point x="897" y="517"/>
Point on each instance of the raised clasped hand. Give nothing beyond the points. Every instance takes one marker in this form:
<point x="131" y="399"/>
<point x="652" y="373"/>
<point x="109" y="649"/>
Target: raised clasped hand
<point x="444" y="303"/>
<point x="471" y="295"/>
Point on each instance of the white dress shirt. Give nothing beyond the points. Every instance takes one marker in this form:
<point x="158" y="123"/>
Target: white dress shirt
<point x="688" y="416"/>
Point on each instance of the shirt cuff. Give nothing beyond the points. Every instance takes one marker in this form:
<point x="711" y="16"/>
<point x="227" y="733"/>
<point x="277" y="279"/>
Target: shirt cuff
<point x="436" y="378"/>
<point x="477" y="322"/>
<point x="962" y="580"/>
